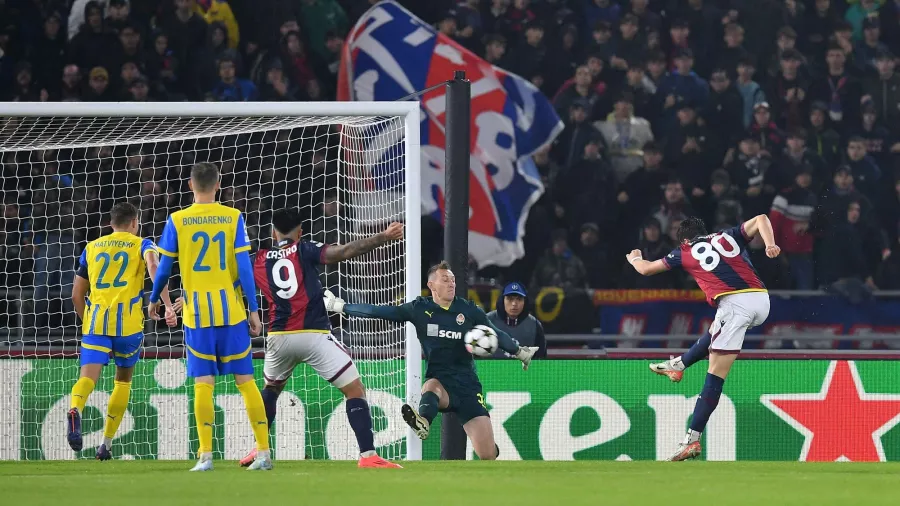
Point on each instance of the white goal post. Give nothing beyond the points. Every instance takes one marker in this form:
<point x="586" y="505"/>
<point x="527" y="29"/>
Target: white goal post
<point x="352" y="167"/>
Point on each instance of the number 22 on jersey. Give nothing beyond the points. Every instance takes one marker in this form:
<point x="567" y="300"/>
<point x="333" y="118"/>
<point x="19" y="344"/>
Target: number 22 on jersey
<point x="709" y="254"/>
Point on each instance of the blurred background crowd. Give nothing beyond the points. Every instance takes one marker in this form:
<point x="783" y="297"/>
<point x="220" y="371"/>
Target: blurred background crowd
<point x="723" y="109"/>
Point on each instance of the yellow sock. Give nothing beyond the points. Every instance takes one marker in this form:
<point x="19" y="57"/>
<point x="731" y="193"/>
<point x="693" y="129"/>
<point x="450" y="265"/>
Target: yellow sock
<point x="205" y="414"/>
<point x="80" y="393"/>
<point x="256" y="412"/>
<point x="118" y="403"/>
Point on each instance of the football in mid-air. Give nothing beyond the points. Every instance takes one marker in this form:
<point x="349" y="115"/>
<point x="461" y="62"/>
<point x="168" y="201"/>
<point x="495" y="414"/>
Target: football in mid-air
<point x="481" y="341"/>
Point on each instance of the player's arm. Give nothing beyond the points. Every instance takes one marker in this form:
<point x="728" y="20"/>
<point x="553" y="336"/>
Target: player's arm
<point x="645" y="267"/>
<point x="339" y="252"/>
<point x="402" y="313"/>
<point x="245" y="274"/>
<point x="151" y="258"/>
<point x="81" y="285"/>
<point x="168" y="249"/>
<point x="762" y="226"/>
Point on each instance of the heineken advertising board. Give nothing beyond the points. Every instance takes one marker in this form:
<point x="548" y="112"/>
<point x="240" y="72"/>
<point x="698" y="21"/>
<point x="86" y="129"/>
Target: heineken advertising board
<point x="557" y="410"/>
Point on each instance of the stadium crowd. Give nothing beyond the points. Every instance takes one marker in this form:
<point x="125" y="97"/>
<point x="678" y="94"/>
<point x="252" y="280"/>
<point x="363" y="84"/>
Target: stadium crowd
<point x="719" y="108"/>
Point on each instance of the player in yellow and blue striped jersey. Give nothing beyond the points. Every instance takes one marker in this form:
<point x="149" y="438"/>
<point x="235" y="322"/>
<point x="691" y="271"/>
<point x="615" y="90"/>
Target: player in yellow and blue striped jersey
<point x="213" y="250"/>
<point x="108" y="296"/>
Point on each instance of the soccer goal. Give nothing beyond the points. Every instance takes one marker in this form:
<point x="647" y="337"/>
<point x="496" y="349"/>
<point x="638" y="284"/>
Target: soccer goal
<point x="351" y="168"/>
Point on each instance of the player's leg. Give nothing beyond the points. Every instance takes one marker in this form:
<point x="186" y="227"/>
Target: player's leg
<point x="434" y="398"/>
<point x="95" y="352"/>
<point x="674" y="367"/>
<point x="733" y="323"/>
<point x="476" y="421"/>
<point x="233" y="350"/>
<point x="203" y="366"/>
<point x="126" y="353"/>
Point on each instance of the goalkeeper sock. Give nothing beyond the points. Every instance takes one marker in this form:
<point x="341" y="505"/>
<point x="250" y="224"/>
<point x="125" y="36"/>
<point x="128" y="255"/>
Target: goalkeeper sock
<point x="204" y="412"/>
<point x="118" y="403"/>
<point x="697" y="352"/>
<point x="360" y="418"/>
<point x="256" y="412"/>
<point x="270" y="400"/>
<point x="706" y="403"/>
<point x="428" y="406"/>
<point x="80" y="393"/>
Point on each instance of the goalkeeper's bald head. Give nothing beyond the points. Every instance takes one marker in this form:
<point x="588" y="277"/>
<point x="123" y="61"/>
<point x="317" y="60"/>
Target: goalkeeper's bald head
<point x="287" y="223"/>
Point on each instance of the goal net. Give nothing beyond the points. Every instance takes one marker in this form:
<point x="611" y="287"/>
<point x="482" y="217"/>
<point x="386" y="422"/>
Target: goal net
<point x="350" y="168"/>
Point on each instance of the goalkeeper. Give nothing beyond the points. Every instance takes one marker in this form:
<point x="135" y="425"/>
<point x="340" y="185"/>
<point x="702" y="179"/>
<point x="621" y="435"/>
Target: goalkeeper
<point x="451" y="383"/>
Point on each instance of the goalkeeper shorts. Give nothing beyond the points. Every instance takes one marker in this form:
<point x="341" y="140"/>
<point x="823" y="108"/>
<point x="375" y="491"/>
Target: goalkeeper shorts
<point x="216" y="351"/>
<point x="126" y="350"/>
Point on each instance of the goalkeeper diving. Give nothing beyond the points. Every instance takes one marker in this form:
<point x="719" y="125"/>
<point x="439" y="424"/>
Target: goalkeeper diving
<point x="451" y="383"/>
<point x="108" y="298"/>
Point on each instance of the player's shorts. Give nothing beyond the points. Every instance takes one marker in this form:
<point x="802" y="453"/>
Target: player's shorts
<point x="218" y="351"/>
<point x="326" y="355"/>
<point x="736" y="314"/>
<point x="126" y="350"/>
<point x="465" y="394"/>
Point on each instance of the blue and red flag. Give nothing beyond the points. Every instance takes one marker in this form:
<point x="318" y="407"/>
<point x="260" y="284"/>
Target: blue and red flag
<point x="389" y="54"/>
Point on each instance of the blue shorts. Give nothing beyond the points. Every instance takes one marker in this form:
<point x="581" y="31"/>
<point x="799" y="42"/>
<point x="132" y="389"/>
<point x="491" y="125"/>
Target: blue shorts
<point x="216" y="351"/>
<point x="126" y="350"/>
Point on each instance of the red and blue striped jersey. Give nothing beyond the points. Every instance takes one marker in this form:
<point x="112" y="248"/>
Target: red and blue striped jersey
<point x="719" y="263"/>
<point x="288" y="278"/>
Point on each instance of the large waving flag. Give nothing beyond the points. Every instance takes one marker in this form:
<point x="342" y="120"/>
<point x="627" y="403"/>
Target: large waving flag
<point x="389" y="54"/>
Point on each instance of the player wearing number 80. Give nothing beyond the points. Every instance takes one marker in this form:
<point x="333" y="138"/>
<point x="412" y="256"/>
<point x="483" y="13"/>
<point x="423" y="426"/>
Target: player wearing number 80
<point x="212" y="247"/>
<point x="108" y="296"/>
<point x="721" y="266"/>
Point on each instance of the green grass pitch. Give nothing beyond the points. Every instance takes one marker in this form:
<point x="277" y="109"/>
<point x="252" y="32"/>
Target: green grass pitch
<point x="127" y="483"/>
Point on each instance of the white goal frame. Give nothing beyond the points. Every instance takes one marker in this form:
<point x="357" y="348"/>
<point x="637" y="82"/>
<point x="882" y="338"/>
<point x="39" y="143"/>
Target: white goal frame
<point x="409" y="111"/>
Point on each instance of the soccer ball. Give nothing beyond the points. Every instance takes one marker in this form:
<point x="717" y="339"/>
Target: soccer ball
<point x="481" y="341"/>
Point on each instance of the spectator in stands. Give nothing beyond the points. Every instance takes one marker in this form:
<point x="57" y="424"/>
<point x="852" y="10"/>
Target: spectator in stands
<point x="70" y="89"/>
<point x="880" y="144"/>
<point x="601" y="10"/>
<point x="770" y="137"/>
<point x="218" y="11"/>
<point x="298" y="64"/>
<point x="653" y="245"/>
<point x="186" y="31"/>
<point x="98" y="86"/>
<point x="640" y="89"/>
<point x="49" y="54"/>
<point x="687" y="148"/>
<point x="787" y="41"/>
<point x="582" y="89"/>
<point x="25" y="89"/>
<point x="231" y="88"/>
<point x="748" y="173"/>
<point x="883" y="90"/>
<point x="787" y="91"/>
<point x="531" y="59"/>
<point x="818" y="24"/>
<point x="139" y="90"/>
<point x="569" y="145"/>
<point x="843" y="264"/>
<point x="858" y="13"/>
<point x="601" y="43"/>
<point x="277" y="87"/>
<point x="495" y="51"/>
<point x="791" y="214"/>
<point x="797" y="158"/>
<point x="835" y="200"/>
<point x="471" y="25"/>
<point x="643" y="188"/>
<point x="674" y="207"/>
<point x="630" y="45"/>
<point x="750" y="90"/>
<point x="723" y="115"/>
<point x="559" y="267"/>
<point x="624" y="135"/>
<point x="866" y="173"/>
<point x="91" y="47"/>
<point x="682" y="85"/>
<point x="867" y="49"/>
<point x="161" y="65"/>
<point x="720" y="205"/>
<point x="838" y="89"/>
<point x="733" y="51"/>
<point x="823" y="139"/>
<point x="334" y="43"/>
<point x="648" y="20"/>
<point x="512" y="315"/>
<point x="586" y="189"/>
<point x="594" y="256"/>
<point x="320" y="17"/>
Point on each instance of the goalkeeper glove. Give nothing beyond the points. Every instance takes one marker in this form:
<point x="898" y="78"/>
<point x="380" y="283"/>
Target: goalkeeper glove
<point x="525" y="354"/>
<point x="332" y="303"/>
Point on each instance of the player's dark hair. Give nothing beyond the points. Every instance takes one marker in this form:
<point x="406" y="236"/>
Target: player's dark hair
<point x="691" y="228"/>
<point x="286" y="220"/>
<point x="121" y="214"/>
<point x="204" y="176"/>
<point x="443" y="266"/>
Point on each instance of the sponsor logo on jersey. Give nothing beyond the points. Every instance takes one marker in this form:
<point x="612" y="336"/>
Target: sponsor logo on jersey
<point x="429" y="313"/>
<point x="460" y="319"/>
<point x="432" y="330"/>
<point x="450" y="334"/>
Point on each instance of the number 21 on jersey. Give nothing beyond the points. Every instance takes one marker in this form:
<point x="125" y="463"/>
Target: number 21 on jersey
<point x="709" y="254"/>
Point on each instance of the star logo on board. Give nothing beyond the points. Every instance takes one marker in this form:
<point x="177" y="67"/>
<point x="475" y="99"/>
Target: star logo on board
<point x="842" y="422"/>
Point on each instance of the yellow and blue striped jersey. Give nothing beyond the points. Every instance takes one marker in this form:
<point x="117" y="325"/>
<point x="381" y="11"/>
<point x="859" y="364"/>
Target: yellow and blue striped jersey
<point x="205" y="239"/>
<point x="114" y="265"/>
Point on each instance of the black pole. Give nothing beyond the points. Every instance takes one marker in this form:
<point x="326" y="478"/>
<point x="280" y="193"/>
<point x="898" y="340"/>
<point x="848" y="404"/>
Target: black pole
<point x="456" y="225"/>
